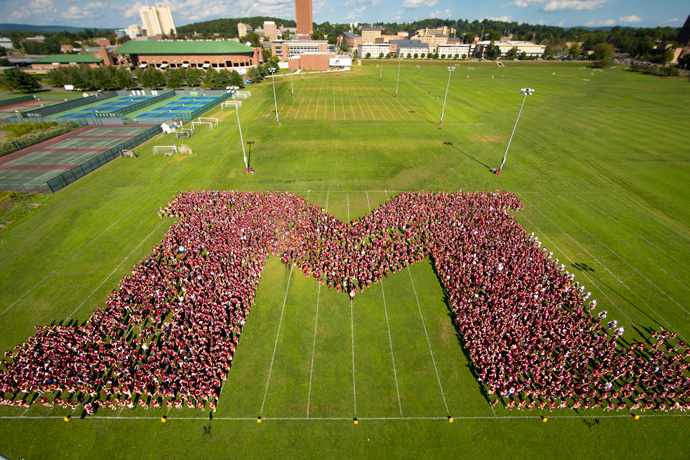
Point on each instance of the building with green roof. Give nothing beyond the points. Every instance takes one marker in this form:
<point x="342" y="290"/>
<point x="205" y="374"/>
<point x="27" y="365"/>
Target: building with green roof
<point x="61" y="60"/>
<point x="163" y="54"/>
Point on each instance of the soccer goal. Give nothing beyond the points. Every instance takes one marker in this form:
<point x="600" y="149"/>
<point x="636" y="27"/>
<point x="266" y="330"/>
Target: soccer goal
<point x="184" y="133"/>
<point x="227" y="104"/>
<point x="128" y="153"/>
<point x="243" y="94"/>
<point x="208" y="120"/>
<point x="166" y="150"/>
<point x="185" y="150"/>
<point x="207" y="123"/>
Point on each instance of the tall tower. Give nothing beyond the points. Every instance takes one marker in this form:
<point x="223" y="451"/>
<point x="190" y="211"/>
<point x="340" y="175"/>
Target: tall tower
<point x="157" y="20"/>
<point x="304" y="18"/>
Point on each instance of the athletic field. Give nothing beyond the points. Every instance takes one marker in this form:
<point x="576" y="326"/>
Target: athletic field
<point x="602" y="189"/>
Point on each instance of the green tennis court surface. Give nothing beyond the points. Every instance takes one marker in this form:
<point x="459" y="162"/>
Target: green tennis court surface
<point x="91" y="143"/>
<point x="54" y="158"/>
<point x="125" y="131"/>
<point x="28" y="175"/>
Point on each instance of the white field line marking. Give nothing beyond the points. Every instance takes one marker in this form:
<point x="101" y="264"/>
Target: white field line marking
<point x="343" y="103"/>
<point x="316" y="111"/>
<point x="275" y="346"/>
<point x="425" y="112"/>
<point x="352" y="328"/>
<point x="369" y="107"/>
<point x="395" y="106"/>
<point x="624" y="260"/>
<point x="280" y="101"/>
<point x="325" y="108"/>
<point x="656" y="219"/>
<point x="610" y="272"/>
<point x="361" y="109"/>
<point x="334" y="106"/>
<point x="667" y="255"/>
<point x="352" y="107"/>
<point x="254" y="109"/>
<point x="535" y="417"/>
<point x="70" y="257"/>
<point x="390" y="341"/>
<point x="584" y="273"/>
<point x="387" y="108"/>
<point x="313" y="347"/>
<point x="291" y="105"/>
<point x="116" y="268"/>
<point x="307" y="112"/>
<point x="433" y="360"/>
<point x="300" y="106"/>
<point x="412" y="117"/>
<point x="379" y="109"/>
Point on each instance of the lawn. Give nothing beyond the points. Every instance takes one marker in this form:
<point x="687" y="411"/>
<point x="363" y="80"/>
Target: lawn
<point x="599" y="159"/>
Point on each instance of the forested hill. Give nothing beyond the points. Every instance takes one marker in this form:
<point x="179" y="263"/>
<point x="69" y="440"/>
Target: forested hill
<point x="227" y="27"/>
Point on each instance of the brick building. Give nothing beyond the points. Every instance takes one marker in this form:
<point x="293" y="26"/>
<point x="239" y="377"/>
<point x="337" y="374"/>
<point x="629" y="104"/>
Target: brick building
<point x="221" y="54"/>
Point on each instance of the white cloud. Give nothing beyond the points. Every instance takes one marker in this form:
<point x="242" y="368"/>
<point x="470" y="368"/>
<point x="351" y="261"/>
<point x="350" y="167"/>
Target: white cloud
<point x="558" y="5"/>
<point x="503" y="18"/>
<point x="631" y="18"/>
<point x="356" y="13"/>
<point x="40" y="11"/>
<point x="92" y="10"/>
<point x="605" y="22"/>
<point x="409" y="4"/>
<point x="442" y="14"/>
<point x="673" y="22"/>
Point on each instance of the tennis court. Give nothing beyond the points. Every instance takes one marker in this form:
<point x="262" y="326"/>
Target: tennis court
<point x="107" y="106"/>
<point x="174" y="107"/>
<point x="82" y="150"/>
<point x="27" y="106"/>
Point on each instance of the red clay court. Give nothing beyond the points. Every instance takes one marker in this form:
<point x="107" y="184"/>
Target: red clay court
<point x="27" y="106"/>
<point x="71" y="155"/>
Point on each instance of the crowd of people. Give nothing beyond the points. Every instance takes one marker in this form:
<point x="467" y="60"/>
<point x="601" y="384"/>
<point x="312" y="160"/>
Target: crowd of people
<point x="166" y="337"/>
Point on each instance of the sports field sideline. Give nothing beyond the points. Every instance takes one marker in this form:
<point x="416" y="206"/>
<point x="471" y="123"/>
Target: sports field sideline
<point x="614" y="209"/>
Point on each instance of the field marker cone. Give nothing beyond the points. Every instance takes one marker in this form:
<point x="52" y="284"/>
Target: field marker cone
<point x="258" y="420"/>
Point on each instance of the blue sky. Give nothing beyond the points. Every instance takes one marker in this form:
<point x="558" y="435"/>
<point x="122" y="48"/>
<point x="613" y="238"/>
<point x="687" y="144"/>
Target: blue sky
<point x="565" y="13"/>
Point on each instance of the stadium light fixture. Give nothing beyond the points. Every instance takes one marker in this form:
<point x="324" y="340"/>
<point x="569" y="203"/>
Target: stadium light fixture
<point x="272" y="71"/>
<point x="525" y="92"/>
<point x="398" y="80"/>
<point x="237" y="111"/>
<point x="450" y="72"/>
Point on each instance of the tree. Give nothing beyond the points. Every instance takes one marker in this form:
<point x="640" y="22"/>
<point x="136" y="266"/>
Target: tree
<point x="548" y="52"/>
<point x="193" y="76"/>
<point x="367" y="56"/>
<point x="266" y="54"/>
<point x="409" y="55"/>
<point x="602" y="51"/>
<point x="574" y="51"/>
<point x="422" y="55"/>
<point x="523" y="56"/>
<point x="57" y="77"/>
<point x="236" y="79"/>
<point x="254" y="74"/>
<point x="222" y="80"/>
<point x="16" y="80"/>
<point x="124" y="78"/>
<point x="511" y="54"/>
<point x="684" y="62"/>
<point x="416" y="55"/>
<point x="210" y="78"/>
<point x="253" y="38"/>
<point x="174" y="78"/>
<point x="151" y="78"/>
<point x="317" y="35"/>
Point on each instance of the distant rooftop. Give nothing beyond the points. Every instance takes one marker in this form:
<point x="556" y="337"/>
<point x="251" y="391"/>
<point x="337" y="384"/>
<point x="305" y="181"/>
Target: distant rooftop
<point x="69" y="59"/>
<point x="183" y="47"/>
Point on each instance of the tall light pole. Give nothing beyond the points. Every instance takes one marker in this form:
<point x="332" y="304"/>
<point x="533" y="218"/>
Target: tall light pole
<point x="272" y="71"/>
<point x="526" y="92"/>
<point x="292" y="90"/>
<point x="237" y="111"/>
<point x="398" y="80"/>
<point x="450" y="72"/>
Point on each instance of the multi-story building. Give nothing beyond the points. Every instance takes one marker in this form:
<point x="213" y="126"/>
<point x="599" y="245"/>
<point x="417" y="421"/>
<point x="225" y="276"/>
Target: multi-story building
<point x="320" y="61"/>
<point x="433" y="40"/>
<point x="442" y="31"/>
<point x="243" y="29"/>
<point x="163" y="54"/>
<point x="529" y="48"/>
<point x="103" y="57"/>
<point x="134" y="31"/>
<point x="270" y="31"/>
<point x="6" y="43"/>
<point x="349" y="39"/>
<point x="305" y="22"/>
<point x="374" y="50"/>
<point x="455" y="51"/>
<point x="158" y="20"/>
<point x="287" y="48"/>
<point x="408" y="48"/>
<point x="370" y="34"/>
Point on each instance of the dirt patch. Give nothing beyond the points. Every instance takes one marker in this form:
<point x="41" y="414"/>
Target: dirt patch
<point x="653" y="152"/>
<point x="585" y="79"/>
<point x="486" y="139"/>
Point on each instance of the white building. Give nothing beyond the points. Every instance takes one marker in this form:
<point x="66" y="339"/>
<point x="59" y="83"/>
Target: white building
<point x="158" y="20"/>
<point x="449" y="51"/>
<point x="408" y="48"/>
<point x="375" y="50"/>
<point x="6" y="43"/>
<point x="134" y="31"/>
<point x="529" y="48"/>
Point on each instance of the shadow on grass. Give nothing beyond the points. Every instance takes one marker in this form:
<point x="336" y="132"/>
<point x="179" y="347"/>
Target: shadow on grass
<point x="422" y="117"/>
<point x="450" y="144"/>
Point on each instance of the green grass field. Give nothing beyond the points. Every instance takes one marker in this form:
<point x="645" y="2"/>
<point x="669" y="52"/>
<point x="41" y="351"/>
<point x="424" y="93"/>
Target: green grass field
<point x="600" y="161"/>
